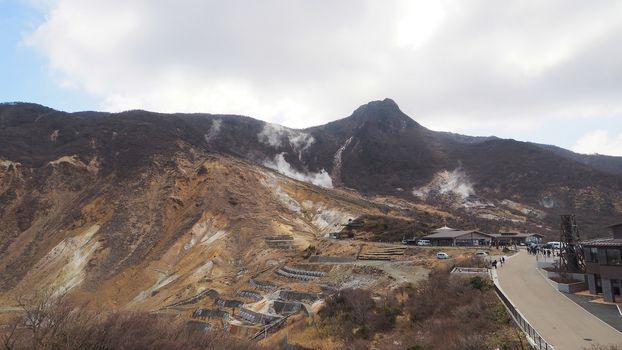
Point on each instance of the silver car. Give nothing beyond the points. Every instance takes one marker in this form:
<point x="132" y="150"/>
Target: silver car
<point x="442" y="255"/>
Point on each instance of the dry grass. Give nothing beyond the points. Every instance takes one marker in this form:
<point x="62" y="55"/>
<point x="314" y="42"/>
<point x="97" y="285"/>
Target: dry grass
<point x="439" y="313"/>
<point x="51" y="322"/>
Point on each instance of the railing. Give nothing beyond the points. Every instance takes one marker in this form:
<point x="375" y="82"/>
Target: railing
<point x="475" y="270"/>
<point x="262" y="284"/>
<point x="272" y="326"/>
<point x="537" y="340"/>
<point x="249" y="294"/>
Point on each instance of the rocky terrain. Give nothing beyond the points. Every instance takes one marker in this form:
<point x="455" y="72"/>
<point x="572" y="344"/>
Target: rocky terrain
<point x="166" y="213"/>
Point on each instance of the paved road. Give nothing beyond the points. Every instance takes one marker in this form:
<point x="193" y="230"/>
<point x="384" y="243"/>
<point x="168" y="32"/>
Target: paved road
<point x="606" y="312"/>
<point x="559" y="320"/>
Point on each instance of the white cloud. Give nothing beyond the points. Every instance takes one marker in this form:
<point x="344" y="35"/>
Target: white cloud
<point x="599" y="141"/>
<point x="451" y="64"/>
<point x="419" y="22"/>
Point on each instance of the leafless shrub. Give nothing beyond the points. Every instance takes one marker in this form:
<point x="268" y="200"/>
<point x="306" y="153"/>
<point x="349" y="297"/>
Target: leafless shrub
<point x="353" y="312"/>
<point x="472" y="261"/>
<point x="455" y="313"/>
<point x="469" y="342"/>
<point x="52" y="322"/>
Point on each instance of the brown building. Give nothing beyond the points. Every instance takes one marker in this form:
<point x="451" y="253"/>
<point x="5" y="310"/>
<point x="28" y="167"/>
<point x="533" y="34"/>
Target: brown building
<point x="603" y="264"/>
<point x="446" y="236"/>
<point x="510" y="238"/>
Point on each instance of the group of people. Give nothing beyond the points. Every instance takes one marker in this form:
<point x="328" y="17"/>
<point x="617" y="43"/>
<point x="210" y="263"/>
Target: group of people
<point x="535" y="250"/>
<point x="501" y="261"/>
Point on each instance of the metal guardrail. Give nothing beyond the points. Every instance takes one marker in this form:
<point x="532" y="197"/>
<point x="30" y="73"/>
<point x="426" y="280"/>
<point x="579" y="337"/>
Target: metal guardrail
<point x="262" y="284"/>
<point x="272" y="326"/>
<point x="474" y="270"/>
<point x="303" y="272"/>
<point x="538" y="342"/>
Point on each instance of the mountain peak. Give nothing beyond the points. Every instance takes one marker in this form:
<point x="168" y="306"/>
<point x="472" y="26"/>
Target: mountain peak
<point x="387" y="104"/>
<point x="383" y="111"/>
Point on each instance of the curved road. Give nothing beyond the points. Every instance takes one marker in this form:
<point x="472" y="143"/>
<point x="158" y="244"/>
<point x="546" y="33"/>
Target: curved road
<point x="564" y="324"/>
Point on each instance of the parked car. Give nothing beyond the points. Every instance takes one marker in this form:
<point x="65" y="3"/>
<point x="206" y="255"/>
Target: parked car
<point x="423" y="242"/>
<point x="409" y="241"/>
<point x="481" y="254"/>
<point x="555" y="245"/>
<point x="442" y="255"/>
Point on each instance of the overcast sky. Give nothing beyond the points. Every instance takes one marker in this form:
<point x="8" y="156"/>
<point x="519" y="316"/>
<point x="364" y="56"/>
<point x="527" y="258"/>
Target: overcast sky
<point x="543" y="71"/>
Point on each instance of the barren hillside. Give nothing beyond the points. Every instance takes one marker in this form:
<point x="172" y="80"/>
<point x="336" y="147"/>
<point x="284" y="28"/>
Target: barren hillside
<point x="145" y="210"/>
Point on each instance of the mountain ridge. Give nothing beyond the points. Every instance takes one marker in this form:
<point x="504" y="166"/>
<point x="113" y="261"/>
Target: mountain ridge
<point x="141" y="211"/>
<point x="463" y="138"/>
<point x="377" y="150"/>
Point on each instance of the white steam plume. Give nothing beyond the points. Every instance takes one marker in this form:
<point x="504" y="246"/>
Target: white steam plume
<point x="274" y="135"/>
<point x="282" y="166"/>
<point x="213" y="130"/>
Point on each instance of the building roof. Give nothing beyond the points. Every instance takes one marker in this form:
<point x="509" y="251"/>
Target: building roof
<point x="449" y="233"/>
<point x="515" y="235"/>
<point x="615" y="225"/>
<point x="603" y="242"/>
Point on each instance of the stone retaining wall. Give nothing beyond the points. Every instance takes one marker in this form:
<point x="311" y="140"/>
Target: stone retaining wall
<point x="331" y="259"/>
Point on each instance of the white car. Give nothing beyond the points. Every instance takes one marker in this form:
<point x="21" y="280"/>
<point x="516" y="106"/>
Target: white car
<point x="442" y="255"/>
<point x="481" y="254"/>
<point x="423" y="242"/>
<point x="555" y="245"/>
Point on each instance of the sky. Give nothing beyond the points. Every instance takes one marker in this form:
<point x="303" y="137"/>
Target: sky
<point x="531" y="70"/>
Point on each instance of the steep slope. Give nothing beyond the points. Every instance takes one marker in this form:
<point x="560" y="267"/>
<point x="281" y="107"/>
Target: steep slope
<point x="185" y="223"/>
<point x="377" y="151"/>
<point x="609" y="164"/>
<point x="34" y="135"/>
<point x="144" y="210"/>
<point x="524" y="173"/>
<point x="380" y="150"/>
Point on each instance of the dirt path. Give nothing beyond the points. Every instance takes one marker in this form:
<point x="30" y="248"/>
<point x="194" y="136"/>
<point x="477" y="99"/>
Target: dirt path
<point x="10" y="308"/>
<point x="401" y="271"/>
<point x="560" y="321"/>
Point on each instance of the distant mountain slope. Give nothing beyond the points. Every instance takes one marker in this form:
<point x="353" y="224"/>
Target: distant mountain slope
<point x="141" y="210"/>
<point x="383" y="151"/>
<point x="377" y="151"/>
<point x="609" y="164"/>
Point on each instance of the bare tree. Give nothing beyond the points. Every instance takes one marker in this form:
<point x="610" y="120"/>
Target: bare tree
<point x="44" y="313"/>
<point x="9" y="337"/>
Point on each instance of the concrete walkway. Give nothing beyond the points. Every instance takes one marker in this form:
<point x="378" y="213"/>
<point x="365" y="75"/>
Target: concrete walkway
<point x="560" y="321"/>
